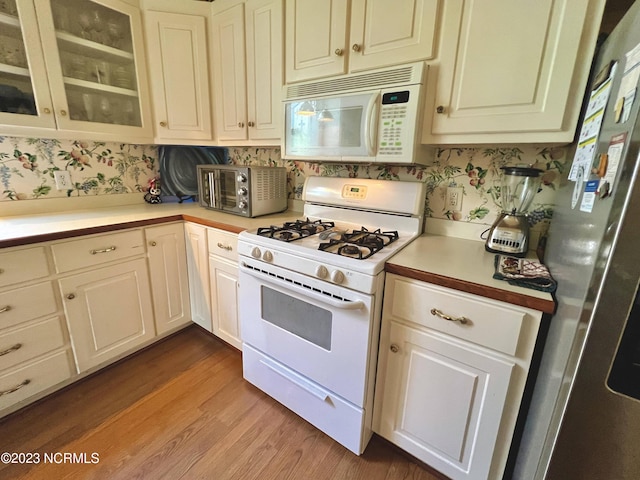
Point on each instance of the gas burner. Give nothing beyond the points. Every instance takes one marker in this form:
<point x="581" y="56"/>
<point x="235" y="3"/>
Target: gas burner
<point x="291" y="231"/>
<point x="360" y="244"/>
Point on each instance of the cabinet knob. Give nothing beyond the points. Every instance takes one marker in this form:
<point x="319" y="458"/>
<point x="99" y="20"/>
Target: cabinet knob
<point x="153" y="243"/>
<point x="394" y="348"/>
<point x="338" y="52"/>
<point x="440" y="109"/>
<point x="163" y="124"/>
<point x="356" y="47"/>
<point x="46" y="110"/>
<point x="241" y="124"/>
<point x="71" y="296"/>
<point x="63" y="113"/>
<point x="251" y="124"/>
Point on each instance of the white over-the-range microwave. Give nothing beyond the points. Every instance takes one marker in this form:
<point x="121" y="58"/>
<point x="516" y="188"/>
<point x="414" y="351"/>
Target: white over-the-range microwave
<point x="371" y="117"/>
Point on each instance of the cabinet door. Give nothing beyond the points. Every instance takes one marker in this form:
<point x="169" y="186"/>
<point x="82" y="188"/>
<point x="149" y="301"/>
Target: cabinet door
<point x="316" y="39"/>
<point x="223" y="276"/>
<point x="177" y="52"/>
<point x="390" y="32"/>
<point x="94" y="55"/>
<point x="108" y="311"/>
<point x="169" y="280"/>
<point x="516" y="71"/>
<point x="198" y="272"/>
<point x="264" y="68"/>
<point x="24" y="89"/>
<point x="229" y="76"/>
<point x="442" y="401"/>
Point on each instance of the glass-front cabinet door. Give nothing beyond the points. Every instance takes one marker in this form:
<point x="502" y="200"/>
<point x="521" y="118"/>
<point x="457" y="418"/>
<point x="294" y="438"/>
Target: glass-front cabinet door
<point x="24" y="88"/>
<point x="93" y="65"/>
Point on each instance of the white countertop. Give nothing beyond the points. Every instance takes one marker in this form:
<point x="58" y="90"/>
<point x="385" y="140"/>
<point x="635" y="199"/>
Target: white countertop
<point x="464" y="265"/>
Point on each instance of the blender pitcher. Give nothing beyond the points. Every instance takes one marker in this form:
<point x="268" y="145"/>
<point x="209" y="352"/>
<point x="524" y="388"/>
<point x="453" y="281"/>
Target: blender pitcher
<point x="510" y="233"/>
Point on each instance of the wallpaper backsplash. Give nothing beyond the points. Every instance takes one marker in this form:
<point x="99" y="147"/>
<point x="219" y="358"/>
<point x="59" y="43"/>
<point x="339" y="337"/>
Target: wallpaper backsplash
<point x="98" y="168"/>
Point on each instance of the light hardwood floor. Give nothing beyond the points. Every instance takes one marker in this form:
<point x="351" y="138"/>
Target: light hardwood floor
<point x="181" y="410"/>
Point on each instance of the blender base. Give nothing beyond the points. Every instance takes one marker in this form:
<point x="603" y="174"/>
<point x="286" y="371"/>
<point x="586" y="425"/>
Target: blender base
<point x="509" y="235"/>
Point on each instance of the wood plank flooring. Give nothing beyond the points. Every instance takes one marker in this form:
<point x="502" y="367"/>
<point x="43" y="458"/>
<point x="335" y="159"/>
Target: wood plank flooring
<point x="181" y="410"/>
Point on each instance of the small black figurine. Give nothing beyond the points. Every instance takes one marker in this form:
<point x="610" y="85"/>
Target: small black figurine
<point x="153" y="195"/>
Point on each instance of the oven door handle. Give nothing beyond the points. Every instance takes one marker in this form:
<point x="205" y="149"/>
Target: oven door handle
<point x="346" y="305"/>
<point x="314" y="390"/>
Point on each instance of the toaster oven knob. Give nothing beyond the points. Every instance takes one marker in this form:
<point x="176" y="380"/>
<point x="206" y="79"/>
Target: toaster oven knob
<point x="322" y="272"/>
<point x="242" y="204"/>
<point x="255" y="252"/>
<point x="267" y="256"/>
<point x="241" y="178"/>
<point x="242" y="191"/>
<point x="337" y="276"/>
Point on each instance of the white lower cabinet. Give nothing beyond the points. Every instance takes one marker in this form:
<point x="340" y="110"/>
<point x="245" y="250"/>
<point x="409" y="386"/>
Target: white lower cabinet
<point x="446" y="391"/>
<point x="198" y="272"/>
<point x="167" y="258"/>
<point x="223" y="282"/>
<point x="108" y="311"/>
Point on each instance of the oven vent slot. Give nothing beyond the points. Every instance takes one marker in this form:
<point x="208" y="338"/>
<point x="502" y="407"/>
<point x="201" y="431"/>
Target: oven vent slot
<point x="295" y="282"/>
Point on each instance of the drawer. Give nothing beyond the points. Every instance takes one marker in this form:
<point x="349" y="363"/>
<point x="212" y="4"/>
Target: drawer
<point x="23" y="265"/>
<point x="28" y="342"/>
<point x="339" y="419"/>
<point x="31" y="379"/>
<point x="492" y="324"/>
<point x="95" y="250"/>
<point x="26" y="303"/>
<point x="223" y="244"/>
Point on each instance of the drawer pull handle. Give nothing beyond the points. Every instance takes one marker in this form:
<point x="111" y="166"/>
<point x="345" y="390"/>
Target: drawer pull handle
<point x="444" y="316"/>
<point x="102" y="250"/>
<point x="16" y="388"/>
<point x="5" y="309"/>
<point x="228" y="248"/>
<point x="394" y="348"/>
<point x="17" y="346"/>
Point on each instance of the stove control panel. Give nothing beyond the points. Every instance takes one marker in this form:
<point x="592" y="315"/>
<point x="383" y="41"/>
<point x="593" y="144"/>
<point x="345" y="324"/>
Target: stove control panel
<point x="354" y="192"/>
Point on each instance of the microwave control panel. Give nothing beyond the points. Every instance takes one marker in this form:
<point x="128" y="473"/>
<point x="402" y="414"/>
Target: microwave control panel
<point x="393" y="122"/>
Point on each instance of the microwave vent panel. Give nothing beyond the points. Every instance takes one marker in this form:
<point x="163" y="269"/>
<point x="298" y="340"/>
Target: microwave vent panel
<point x="270" y="183"/>
<point x="402" y="75"/>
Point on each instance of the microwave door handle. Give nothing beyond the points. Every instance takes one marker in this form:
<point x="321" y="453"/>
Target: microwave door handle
<point x="371" y="124"/>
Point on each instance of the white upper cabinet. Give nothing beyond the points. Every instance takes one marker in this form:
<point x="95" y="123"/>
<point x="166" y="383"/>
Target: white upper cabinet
<point x="510" y="71"/>
<point x="321" y="42"/>
<point x="94" y="65"/>
<point x="179" y="66"/>
<point x="247" y="71"/>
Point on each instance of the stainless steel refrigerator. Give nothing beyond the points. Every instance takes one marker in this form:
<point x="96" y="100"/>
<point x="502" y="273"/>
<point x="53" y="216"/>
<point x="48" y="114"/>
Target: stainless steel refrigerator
<point x="584" y="418"/>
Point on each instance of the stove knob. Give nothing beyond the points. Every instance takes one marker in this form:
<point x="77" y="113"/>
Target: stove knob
<point x="241" y="178"/>
<point x="267" y="256"/>
<point x="242" y="191"/>
<point x="255" y="252"/>
<point x="337" y="276"/>
<point x="322" y="272"/>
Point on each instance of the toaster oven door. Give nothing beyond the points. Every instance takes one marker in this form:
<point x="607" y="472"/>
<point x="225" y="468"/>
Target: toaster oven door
<point x="219" y="191"/>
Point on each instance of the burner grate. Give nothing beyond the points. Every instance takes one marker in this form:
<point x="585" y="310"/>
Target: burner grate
<point x="291" y="231"/>
<point x="360" y="244"/>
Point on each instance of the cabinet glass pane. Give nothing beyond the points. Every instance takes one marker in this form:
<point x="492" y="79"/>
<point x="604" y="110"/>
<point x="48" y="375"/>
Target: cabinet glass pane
<point x="16" y="89"/>
<point x="98" y="65"/>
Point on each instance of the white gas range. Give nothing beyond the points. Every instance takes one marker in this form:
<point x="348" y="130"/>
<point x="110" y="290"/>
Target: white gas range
<point x="311" y="294"/>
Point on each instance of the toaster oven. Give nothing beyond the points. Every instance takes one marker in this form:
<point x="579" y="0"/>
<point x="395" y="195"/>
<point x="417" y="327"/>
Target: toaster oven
<point x="242" y="190"/>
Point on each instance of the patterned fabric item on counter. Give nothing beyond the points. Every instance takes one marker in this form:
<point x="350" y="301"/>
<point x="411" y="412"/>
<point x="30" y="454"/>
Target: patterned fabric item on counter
<point x="524" y="273"/>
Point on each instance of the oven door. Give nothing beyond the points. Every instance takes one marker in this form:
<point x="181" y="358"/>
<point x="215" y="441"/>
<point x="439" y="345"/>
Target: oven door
<point x="319" y="330"/>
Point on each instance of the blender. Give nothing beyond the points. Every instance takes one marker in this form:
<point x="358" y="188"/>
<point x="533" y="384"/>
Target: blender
<point x="510" y="232"/>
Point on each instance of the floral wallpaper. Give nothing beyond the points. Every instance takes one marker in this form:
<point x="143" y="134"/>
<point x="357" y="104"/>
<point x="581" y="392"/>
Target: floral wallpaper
<point x="27" y="169"/>
<point x="475" y="170"/>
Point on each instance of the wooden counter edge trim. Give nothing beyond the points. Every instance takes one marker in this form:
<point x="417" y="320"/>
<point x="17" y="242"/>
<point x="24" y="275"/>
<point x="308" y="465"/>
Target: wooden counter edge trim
<point x="211" y="223"/>
<point x="544" y="306"/>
